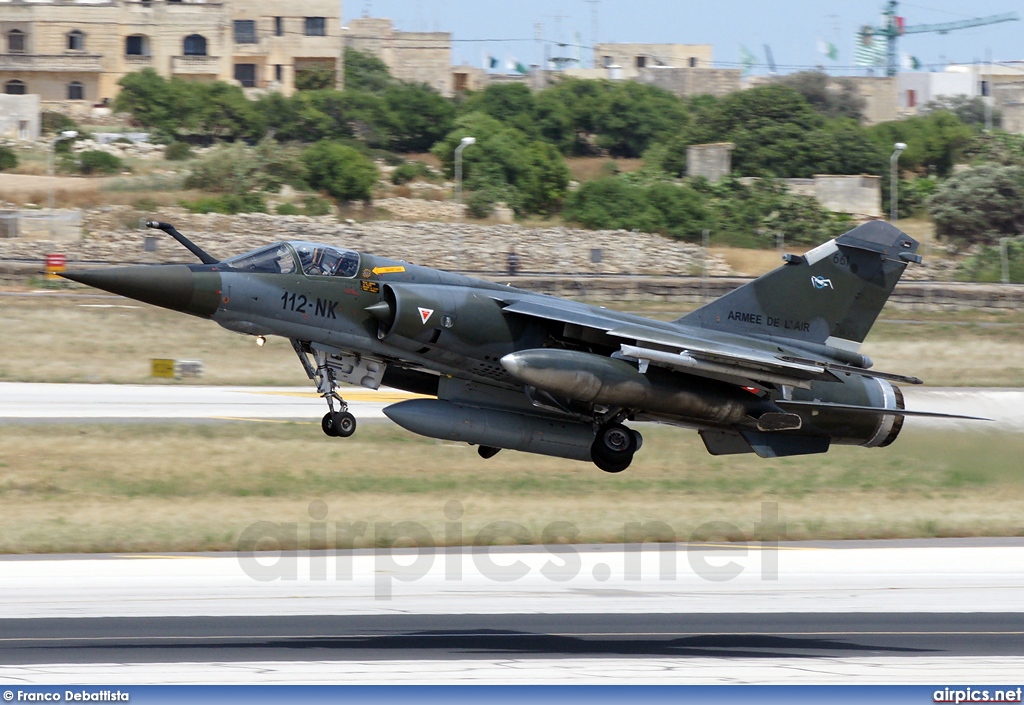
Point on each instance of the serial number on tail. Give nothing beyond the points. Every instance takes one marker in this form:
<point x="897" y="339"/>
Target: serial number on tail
<point x="759" y="319"/>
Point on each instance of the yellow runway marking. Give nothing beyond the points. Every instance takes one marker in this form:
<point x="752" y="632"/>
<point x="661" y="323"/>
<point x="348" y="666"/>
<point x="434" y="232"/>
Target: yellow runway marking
<point x="353" y="396"/>
<point x="243" y="418"/>
<point x="153" y="556"/>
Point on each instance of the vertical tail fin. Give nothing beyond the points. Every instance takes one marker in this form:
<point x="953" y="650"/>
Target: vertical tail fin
<point x="830" y="296"/>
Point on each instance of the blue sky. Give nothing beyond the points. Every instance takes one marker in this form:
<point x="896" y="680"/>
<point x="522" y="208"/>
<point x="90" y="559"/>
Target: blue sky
<point x="790" y="27"/>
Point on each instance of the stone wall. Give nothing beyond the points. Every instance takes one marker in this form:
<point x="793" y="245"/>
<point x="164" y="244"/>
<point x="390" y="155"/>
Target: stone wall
<point x="470" y="247"/>
<point x="712" y="161"/>
<point x="687" y="82"/>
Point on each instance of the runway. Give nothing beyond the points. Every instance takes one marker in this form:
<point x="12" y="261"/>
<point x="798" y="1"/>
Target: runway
<point x="32" y="401"/>
<point x="882" y="611"/>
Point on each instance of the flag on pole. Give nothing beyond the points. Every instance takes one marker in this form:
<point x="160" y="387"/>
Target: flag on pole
<point x="747" y="60"/>
<point x="828" y="49"/>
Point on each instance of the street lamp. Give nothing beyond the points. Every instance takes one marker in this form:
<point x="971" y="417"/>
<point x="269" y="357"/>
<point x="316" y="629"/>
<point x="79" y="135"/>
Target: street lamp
<point x="894" y="181"/>
<point x="65" y="135"/>
<point x="466" y="141"/>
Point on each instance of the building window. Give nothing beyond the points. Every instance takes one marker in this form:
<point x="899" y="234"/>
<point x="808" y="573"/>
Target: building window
<point x="278" y="26"/>
<point x="245" y="31"/>
<point x="15" y="87"/>
<point x="911" y="99"/>
<point x="641" y="61"/>
<point x="693" y="62"/>
<point x="195" y="45"/>
<point x="316" y="26"/>
<point x="76" y="40"/>
<point x="76" y="91"/>
<point x="246" y="75"/>
<point x="136" y="45"/>
<point x="606" y="61"/>
<point x="278" y="73"/>
<point x="16" y="42"/>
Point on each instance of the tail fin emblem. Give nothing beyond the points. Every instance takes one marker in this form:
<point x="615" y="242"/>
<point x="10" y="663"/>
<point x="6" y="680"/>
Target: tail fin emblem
<point x="821" y="282"/>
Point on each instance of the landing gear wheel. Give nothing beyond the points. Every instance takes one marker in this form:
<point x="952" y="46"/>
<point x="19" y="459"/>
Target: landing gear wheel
<point x="338" y="424"/>
<point x="344" y="424"/>
<point x="614" y="447"/>
<point x="486" y="452"/>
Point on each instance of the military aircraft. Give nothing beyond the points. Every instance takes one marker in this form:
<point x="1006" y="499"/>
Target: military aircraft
<point x="771" y="368"/>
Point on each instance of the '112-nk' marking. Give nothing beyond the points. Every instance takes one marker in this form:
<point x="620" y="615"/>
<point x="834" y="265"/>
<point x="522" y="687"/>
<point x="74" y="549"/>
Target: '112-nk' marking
<point x="299" y="303"/>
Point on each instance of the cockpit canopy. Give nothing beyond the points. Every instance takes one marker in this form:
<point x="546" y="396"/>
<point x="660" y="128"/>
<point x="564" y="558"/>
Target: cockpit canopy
<point x="288" y="257"/>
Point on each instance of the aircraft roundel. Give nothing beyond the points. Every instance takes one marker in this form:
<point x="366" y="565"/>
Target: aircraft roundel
<point x="425" y="314"/>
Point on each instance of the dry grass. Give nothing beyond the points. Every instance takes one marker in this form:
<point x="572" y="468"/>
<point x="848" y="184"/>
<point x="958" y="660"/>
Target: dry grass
<point x="590" y="168"/>
<point x="111" y="340"/>
<point x="152" y="487"/>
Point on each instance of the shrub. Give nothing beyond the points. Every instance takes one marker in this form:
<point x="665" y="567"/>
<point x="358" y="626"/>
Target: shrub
<point x="288" y="209"/>
<point x="480" y="204"/>
<point x="8" y="159"/>
<point x="987" y="265"/>
<point x="980" y="205"/>
<point x="96" y="162"/>
<point x="341" y="171"/>
<point x="315" y="206"/>
<point x="409" y="171"/>
<point x="228" y="203"/>
<point x="54" y="122"/>
<point x="240" y="169"/>
<point x="178" y="152"/>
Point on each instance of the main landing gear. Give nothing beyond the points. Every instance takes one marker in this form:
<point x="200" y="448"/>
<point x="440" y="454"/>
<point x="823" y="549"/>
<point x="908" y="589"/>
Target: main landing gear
<point x="614" y="447"/>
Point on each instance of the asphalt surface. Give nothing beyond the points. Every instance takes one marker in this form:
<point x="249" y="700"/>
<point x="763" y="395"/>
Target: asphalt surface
<point x="535" y="636"/>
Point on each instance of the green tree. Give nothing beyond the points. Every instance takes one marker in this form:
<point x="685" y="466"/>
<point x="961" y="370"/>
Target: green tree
<point x="529" y="175"/>
<point x="510" y="103"/>
<point x="637" y="116"/>
<point x="935" y="142"/>
<point x="314" y="77"/>
<point x="341" y="171"/>
<point x="8" y="159"/>
<point x="980" y="205"/>
<point x="415" y="117"/>
<point x="970" y="111"/>
<point x="832" y="97"/>
<point x="365" y="72"/>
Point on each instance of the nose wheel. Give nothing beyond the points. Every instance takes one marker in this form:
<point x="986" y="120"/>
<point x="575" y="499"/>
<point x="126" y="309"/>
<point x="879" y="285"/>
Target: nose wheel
<point x="614" y="447"/>
<point x="338" y="424"/>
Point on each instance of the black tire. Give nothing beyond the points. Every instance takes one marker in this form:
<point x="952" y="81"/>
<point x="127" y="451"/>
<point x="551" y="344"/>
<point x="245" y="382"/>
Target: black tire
<point x="486" y="452"/>
<point x="344" y="424"/>
<point x="614" y="447"/>
<point x="327" y="424"/>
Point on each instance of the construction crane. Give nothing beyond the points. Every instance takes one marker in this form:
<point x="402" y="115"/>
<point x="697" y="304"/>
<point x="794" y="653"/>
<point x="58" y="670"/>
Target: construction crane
<point x="895" y="28"/>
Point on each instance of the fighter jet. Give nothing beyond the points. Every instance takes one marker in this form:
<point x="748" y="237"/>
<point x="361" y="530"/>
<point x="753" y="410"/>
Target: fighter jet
<point x="772" y="368"/>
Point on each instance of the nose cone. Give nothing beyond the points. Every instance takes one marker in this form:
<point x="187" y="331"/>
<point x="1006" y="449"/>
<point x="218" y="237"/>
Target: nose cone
<point x="171" y="286"/>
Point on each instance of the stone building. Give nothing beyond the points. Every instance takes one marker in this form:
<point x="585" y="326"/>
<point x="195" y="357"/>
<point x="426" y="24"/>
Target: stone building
<point x="687" y="82"/>
<point x="415" y="57"/>
<point x="77" y="50"/>
<point x="632" y="58"/>
<point x="19" y="117"/>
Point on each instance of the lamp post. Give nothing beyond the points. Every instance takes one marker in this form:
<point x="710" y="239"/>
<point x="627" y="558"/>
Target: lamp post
<point x="894" y="181"/>
<point x="65" y="135"/>
<point x="466" y="141"/>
